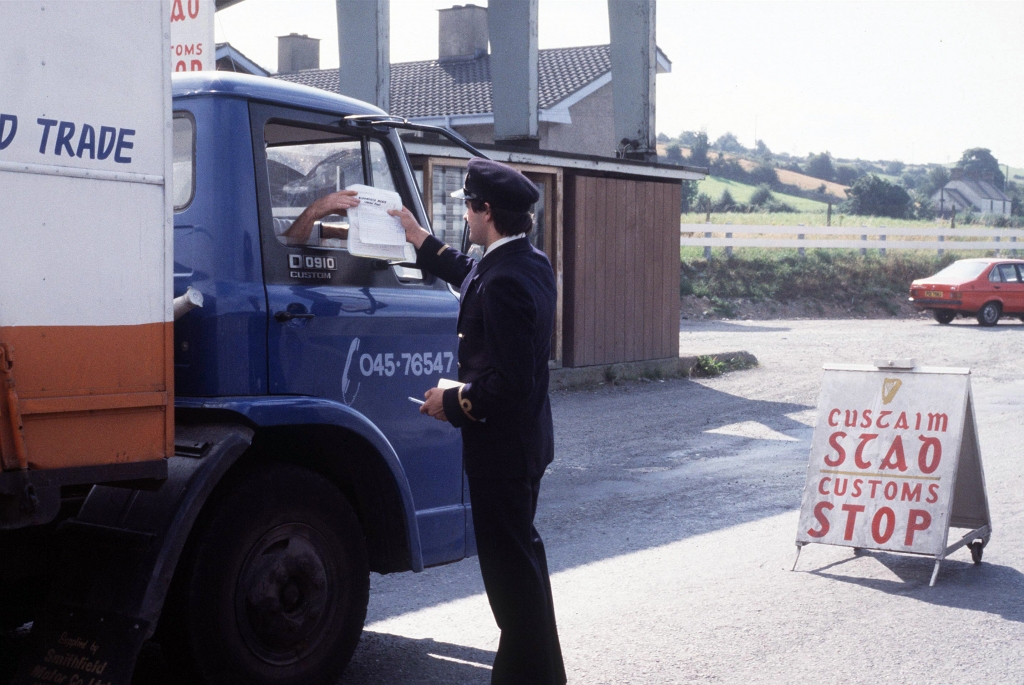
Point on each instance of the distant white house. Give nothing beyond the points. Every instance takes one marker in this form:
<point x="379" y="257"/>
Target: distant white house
<point x="971" y="191"/>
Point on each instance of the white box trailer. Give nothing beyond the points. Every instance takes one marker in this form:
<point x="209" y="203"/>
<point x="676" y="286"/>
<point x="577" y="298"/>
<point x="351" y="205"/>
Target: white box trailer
<point x="86" y="258"/>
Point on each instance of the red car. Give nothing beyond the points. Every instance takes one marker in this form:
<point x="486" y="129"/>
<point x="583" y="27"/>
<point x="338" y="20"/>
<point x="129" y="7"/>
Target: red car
<point x="984" y="288"/>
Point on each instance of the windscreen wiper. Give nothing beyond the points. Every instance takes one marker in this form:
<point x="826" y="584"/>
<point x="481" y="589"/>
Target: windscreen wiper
<point x="386" y="121"/>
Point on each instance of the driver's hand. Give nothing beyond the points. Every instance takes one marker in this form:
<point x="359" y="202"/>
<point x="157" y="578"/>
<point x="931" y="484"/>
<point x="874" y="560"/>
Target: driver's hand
<point x="336" y="203"/>
<point x="414" y="233"/>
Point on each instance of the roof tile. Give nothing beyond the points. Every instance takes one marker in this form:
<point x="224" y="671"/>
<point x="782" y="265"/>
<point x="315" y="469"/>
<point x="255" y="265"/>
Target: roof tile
<point x="439" y="88"/>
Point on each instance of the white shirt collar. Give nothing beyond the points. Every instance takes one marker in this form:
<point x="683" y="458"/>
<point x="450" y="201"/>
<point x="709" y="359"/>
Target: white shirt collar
<point x="501" y="241"/>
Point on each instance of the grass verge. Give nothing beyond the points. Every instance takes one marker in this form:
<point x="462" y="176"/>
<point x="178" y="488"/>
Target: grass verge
<point x="829" y="276"/>
<point x="710" y="365"/>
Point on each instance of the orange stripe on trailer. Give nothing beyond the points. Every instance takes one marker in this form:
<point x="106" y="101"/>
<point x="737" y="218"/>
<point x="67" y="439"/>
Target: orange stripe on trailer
<point x="91" y="395"/>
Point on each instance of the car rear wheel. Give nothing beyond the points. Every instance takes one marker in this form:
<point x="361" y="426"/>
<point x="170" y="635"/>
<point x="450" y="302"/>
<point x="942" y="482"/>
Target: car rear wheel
<point x="273" y="587"/>
<point x="943" y="315"/>
<point x="989" y="314"/>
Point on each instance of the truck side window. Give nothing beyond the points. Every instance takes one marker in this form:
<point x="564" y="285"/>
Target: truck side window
<point x="379" y="167"/>
<point x="303" y="165"/>
<point x="302" y="173"/>
<point x="183" y="168"/>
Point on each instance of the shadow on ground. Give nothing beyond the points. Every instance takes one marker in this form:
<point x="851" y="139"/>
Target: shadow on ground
<point x="689" y="325"/>
<point x="986" y="587"/>
<point x="635" y="468"/>
<point x="422" y="661"/>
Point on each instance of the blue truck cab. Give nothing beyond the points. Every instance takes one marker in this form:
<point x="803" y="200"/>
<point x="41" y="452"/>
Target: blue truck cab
<point x="316" y="350"/>
<point x="309" y="335"/>
<point x="300" y="463"/>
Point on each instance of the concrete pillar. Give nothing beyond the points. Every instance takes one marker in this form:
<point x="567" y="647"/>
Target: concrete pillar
<point x="634" y="64"/>
<point x="512" y="25"/>
<point x="364" y="51"/>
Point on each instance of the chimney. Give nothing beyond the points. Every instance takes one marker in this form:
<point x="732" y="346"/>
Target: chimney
<point x="462" y="32"/>
<point x="295" y="53"/>
<point x="956" y="174"/>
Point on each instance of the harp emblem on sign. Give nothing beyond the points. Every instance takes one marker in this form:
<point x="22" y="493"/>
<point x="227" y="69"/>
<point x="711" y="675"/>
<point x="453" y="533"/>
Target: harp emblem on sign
<point x="890" y="386"/>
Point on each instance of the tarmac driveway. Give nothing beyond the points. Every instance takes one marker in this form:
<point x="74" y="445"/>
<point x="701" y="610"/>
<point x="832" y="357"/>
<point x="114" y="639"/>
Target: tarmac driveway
<point x="670" y="514"/>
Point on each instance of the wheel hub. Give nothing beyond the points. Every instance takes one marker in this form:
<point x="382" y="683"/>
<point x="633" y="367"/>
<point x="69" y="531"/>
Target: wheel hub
<point x="284" y="599"/>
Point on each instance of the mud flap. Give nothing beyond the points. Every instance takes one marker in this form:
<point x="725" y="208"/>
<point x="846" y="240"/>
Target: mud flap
<point x="83" y="647"/>
<point x="116" y="562"/>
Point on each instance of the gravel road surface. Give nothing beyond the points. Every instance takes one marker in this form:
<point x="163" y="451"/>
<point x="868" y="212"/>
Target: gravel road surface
<point x="670" y="513"/>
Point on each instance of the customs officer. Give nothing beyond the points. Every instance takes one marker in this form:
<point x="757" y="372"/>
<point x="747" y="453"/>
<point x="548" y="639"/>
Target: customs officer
<point x="506" y="316"/>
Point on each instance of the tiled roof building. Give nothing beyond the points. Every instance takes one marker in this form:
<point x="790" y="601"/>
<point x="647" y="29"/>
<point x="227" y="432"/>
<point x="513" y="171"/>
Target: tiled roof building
<point x="573" y="95"/>
<point x="437" y="88"/>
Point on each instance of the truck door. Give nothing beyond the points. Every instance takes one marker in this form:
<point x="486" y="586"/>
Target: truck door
<point x="359" y="331"/>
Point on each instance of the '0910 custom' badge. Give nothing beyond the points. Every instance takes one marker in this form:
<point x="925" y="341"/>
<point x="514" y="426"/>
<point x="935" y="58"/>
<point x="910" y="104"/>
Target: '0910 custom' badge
<point x="311" y="267"/>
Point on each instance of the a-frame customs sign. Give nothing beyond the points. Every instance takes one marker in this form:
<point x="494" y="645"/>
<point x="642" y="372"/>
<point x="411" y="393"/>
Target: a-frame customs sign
<point x="895" y="462"/>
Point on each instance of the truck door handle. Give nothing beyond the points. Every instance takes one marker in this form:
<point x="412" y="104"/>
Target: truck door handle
<point x="286" y="316"/>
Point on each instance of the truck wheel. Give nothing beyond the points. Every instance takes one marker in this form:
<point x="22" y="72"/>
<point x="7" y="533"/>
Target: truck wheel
<point x="943" y="316"/>
<point x="273" y="586"/>
<point x="989" y="314"/>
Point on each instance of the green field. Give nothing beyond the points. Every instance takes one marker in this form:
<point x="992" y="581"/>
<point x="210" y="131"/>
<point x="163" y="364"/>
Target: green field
<point x="741" y="192"/>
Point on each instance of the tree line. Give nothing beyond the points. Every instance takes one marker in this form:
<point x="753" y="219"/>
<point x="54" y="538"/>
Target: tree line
<point x="887" y="188"/>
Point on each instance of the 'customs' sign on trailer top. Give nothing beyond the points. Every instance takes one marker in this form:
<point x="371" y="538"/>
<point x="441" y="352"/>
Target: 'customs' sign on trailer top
<point x="895" y="462"/>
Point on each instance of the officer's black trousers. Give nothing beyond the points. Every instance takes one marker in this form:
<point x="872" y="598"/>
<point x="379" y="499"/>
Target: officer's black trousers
<point x="515" y="572"/>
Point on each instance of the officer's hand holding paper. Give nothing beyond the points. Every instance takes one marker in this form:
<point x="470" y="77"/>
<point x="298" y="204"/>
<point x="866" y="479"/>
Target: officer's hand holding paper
<point x="433" y="406"/>
<point x="372" y="231"/>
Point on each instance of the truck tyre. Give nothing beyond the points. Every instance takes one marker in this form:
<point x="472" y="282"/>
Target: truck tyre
<point x="943" y="316"/>
<point x="273" y="585"/>
<point x="989" y="314"/>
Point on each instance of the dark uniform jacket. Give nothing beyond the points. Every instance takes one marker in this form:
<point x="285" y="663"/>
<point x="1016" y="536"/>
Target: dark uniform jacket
<point x="506" y="318"/>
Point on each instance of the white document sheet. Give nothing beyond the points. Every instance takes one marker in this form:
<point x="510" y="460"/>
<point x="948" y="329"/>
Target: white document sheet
<point x="372" y="231"/>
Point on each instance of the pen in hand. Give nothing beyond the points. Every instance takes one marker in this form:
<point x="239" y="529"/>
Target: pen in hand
<point x="416" y="401"/>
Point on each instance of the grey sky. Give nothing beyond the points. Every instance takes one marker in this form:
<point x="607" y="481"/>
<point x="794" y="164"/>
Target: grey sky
<point x="915" y="81"/>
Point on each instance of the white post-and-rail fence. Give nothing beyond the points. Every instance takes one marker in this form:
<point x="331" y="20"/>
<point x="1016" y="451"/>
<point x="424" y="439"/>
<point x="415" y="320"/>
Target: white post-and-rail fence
<point x="849" y="237"/>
